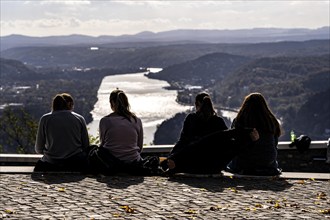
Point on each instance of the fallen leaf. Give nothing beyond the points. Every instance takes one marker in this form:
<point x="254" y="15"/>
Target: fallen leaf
<point x="321" y="195"/>
<point x="325" y="211"/>
<point x="127" y="209"/>
<point x="301" y="182"/>
<point x="277" y="205"/>
<point x="250" y="209"/>
<point x="312" y="179"/>
<point x="8" y="211"/>
<point x="258" y="205"/>
<point x="233" y="189"/>
<point x="61" y="189"/>
<point x="116" y="215"/>
<point x="190" y="211"/>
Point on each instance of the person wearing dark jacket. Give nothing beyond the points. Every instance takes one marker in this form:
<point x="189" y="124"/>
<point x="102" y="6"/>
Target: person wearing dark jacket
<point x="259" y="157"/>
<point x="196" y="125"/>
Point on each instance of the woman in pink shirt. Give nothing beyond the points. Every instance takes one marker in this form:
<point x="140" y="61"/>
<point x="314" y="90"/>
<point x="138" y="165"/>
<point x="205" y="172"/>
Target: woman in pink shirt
<point x="121" y="132"/>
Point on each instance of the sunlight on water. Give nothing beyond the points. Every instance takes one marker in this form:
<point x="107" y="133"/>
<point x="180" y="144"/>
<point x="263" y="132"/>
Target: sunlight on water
<point x="148" y="99"/>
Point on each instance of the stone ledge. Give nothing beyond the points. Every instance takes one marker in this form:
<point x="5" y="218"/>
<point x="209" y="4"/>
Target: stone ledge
<point x="148" y="149"/>
<point x="284" y="175"/>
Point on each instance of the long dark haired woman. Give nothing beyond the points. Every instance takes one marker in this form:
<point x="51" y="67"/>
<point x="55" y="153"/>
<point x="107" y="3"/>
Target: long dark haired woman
<point x="200" y="123"/>
<point x="196" y="125"/>
<point x="259" y="158"/>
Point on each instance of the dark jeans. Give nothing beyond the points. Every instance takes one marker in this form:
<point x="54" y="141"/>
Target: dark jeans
<point x="76" y="163"/>
<point x="211" y="153"/>
<point x="100" y="160"/>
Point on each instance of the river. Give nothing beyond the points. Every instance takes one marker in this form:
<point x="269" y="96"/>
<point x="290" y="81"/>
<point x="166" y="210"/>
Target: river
<point x="148" y="98"/>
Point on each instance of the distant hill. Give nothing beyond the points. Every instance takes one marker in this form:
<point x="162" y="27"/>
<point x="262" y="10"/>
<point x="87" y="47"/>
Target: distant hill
<point x="15" y="70"/>
<point x="154" y="56"/>
<point x="288" y="83"/>
<point x="279" y="78"/>
<point x="314" y="115"/>
<point x="174" y="36"/>
<point x="204" y="70"/>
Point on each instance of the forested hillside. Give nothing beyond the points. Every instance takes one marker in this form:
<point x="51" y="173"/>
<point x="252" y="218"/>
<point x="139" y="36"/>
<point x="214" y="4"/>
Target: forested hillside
<point x="297" y="88"/>
<point x="287" y="83"/>
<point x="204" y="70"/>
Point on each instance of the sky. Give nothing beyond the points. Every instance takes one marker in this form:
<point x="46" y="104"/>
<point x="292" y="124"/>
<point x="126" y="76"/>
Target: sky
<point x="101" y="17"/>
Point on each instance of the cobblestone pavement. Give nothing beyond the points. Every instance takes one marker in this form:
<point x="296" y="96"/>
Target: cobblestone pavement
<point x="74" y="196"/>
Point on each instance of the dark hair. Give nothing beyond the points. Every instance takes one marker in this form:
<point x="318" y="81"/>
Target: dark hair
<point x="206" y="109"/>
<point x="255" y="113"/>
<point x="119" y="101"/>
<point x="63" y="101"/>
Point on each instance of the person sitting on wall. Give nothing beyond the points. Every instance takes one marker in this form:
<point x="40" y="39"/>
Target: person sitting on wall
<point x="259" y="157"/>
<point x="121" y="142"/>
<point x="62" y="138"/>
<point x="196" y="125"/>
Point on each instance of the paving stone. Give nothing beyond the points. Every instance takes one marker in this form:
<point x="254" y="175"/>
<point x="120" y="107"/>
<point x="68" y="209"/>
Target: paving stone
<point x="74" y="196"/>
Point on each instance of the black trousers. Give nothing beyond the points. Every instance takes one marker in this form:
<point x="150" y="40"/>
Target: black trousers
<point x="76" y="163"/>
<point x="211" y="153"/>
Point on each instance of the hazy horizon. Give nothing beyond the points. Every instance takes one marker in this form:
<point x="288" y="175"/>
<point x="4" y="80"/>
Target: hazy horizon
<point x="116" y="18"/>
<point x="76" y="34"/>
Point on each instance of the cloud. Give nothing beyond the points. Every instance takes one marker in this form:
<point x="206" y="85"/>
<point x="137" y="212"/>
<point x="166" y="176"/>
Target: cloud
<point x="105" y="17"/>
<point x="65" y="2"/>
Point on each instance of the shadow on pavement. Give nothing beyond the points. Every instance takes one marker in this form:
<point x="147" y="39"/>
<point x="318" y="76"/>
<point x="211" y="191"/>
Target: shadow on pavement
<point x="57" y="178"/>
<point x="120" y="182"/>
<point x="222" y="183"/>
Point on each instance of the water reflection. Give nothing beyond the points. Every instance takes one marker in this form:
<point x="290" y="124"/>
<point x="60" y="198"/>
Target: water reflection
<point x="148" y="99"/>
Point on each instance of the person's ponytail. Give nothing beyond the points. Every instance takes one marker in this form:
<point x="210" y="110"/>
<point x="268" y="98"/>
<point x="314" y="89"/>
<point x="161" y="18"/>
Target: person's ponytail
<point x="206" y="109"/>
<point x="122" y="107"/>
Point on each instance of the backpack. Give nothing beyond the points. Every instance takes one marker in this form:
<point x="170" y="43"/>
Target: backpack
<point x="302" y="143"/>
